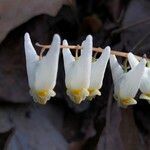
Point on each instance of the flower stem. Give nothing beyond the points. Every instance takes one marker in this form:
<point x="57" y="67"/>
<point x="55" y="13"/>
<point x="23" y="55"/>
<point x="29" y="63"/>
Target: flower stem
<point x="113" y="52"/>
<point x="77" y="51"/>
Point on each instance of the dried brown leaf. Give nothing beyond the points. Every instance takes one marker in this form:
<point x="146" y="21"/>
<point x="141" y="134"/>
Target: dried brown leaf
<point x="14" y="13"/>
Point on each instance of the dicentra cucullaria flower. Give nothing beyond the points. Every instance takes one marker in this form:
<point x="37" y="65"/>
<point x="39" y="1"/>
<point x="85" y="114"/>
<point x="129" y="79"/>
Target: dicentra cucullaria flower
<point x="145" y="81"/>
<point x="97" y="73"/>
<point x="42" y="73"/>
<point x="77" y="71"/>
<point x="126" y="85"/>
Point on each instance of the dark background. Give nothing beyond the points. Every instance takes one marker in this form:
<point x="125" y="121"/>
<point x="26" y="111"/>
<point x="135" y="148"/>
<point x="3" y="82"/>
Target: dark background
<point x="61" y="125"/>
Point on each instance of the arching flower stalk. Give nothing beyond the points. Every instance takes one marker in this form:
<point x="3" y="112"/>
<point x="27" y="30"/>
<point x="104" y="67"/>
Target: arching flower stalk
<point x="145" y="81"/>
<point x="97" y="73"/>
<point x="42" y="72"/>
<point x="126" y="85"/>
<point x="77" y="71"/>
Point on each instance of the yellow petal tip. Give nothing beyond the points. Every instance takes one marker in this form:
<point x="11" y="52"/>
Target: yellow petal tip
<point x="77" y="95"/>
<point x="93" y="93"/>
<point x="128" y="101"/>
<point x="145" y="97"/>
<point x="42" y="96"/>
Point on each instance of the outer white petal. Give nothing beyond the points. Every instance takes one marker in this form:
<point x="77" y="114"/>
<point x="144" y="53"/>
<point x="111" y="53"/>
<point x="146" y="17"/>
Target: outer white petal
<point x="116" y="69"/>
<point x="85" y="61"/>
<point x="145" y="85"/>
<point x="82" y="45"/>
<point x="87" y="50"/>
<point x="145" y="82"/>
<point x="131" y="81"/>
<point x="68" y="64"/>
<point x="67" y="55"/>
<point x="46" y="72"/>
<point x="98" y="69"/>
<point x="31" y="59"/>
<point x="132" y="60"/>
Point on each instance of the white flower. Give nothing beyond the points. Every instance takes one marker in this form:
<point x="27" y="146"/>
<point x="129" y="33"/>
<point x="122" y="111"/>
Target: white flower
<point x="97" y="73"/>
<point x="126" y="85"/>
<point x="77" y="71"/>
<point x="145" y="81"/>
<point x="42" y="73"/>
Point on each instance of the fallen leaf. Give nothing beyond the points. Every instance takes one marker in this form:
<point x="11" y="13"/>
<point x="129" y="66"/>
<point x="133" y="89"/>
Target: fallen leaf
<point x="14" y="13"/>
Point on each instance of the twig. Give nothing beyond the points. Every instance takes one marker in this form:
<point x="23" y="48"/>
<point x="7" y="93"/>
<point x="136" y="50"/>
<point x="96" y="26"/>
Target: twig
<point x="41" y="52"/>
<point x="77" y="50"/>
<point x="141" y="41"/>
<point x="113" y="52"/>
<point x="131" y="25"/>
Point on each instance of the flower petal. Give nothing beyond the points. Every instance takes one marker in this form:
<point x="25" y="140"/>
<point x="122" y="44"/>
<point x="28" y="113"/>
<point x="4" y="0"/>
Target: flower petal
<point x="145" y="97"/>
<point x="67" y="55"/>
<point x="31" y="59"/>
<point x="116" y="69"/>
<point x="42" y="96"/>
<point x="145" y="82"/>
<point x="68" y="64"/>
<point x="46" y="72"/>
<point x="86" y="55"/>
<point x="126" y="102"/>
<point x="132" y="60"/>
<point x="131" y="81"/>
<point x="93" y="93"/>
<point x="98" y="69"/>
<point x="78" y="95"/>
